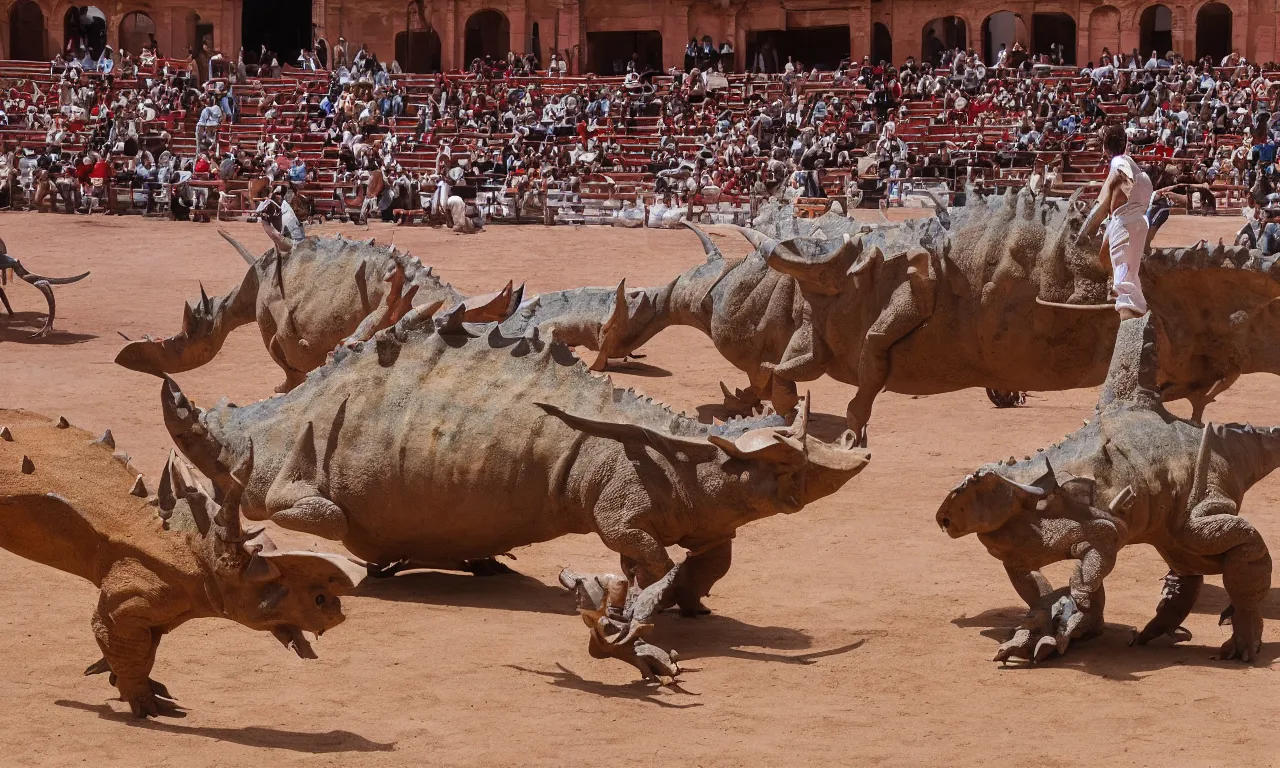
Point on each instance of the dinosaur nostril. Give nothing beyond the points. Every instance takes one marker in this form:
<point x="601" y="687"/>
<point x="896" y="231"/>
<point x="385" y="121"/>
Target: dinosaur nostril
<point x="946" y="522"/>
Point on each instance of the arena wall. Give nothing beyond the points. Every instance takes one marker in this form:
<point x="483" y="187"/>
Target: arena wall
<point x="568" y="24"/>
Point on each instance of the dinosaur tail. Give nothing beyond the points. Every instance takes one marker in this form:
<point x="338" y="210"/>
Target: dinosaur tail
<point x="1253" y="452"/>
<point x="45" y="528"/>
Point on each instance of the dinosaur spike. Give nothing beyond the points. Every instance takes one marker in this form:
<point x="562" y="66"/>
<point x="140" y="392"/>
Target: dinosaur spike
<point x="139" y="488"/>
<point x="122" y="457"/>
<point x="452" y="322"/>
<point x="206" y="304"/>
<point x="108" y="439"/>
<point x="27" y="466"/>
<point x="63" y="423"/>
<point x="6" y="435"/>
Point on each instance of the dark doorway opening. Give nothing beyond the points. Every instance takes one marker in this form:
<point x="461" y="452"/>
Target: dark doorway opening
<point x="26" y="31"/>
<point x="1155" y="31"/>
<point x="84" y="28"/>
<point x="609" y="52"/>
<point x="1054" y="29"/>
<point x="488" y="33"/>
<point x="881" y="44"/>
<point x="941" y="35"/>
<point x="418" y="51"/>
<point x="1000" y="28"/>
<point x="1213" y="32"/>
<point x="821" y="48"/>
<point x="283" y="26"/>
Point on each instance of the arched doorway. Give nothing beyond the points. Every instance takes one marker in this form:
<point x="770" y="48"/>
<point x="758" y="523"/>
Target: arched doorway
<point x="609" y="52"/>
<point x="1000" y="28"/>
<point x="488" y="33"/>
<point x="1213" y="32"/>
<point x="418" y="51"/>
<point x="881" y="44"/>
<point x="1104" y="31"/>
<point x="84" y="28"/>
<point x="283" y="26"/>
<point x="26" y="31"/>
<point x="137" y="30"/>
<point x="1155" y="31"/>
<point x="942" y="35"/>
<point x="1054" y="34"/>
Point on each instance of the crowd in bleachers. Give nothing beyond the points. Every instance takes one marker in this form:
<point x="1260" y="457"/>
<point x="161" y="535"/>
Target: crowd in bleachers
<point x="347" y="135"/>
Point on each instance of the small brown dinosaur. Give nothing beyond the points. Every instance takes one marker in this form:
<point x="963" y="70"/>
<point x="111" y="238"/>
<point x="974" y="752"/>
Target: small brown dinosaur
<point x="71" y="502"/>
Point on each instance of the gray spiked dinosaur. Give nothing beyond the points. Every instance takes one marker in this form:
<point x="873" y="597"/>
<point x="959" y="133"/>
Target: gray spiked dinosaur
<point x="998" y="294"/>
<point x="1133" y="474"/>
<point x="443" y="446"/>
<point x="305" y="302"/>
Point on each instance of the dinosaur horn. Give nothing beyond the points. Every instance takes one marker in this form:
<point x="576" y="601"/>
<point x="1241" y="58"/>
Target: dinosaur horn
<point x="230" y="534"/>
<point x="758" y="240"/>
<point x="708" y="247"/>
<point x="240" y="249"/>
<point x="33" y="278"/>
<point x="1029" y="489"/>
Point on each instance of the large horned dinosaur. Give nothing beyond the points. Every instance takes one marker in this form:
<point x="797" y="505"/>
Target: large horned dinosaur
<point x="69" y="501"/>
<point x="748" y="310"/>
<point x="42" y="284"/>
<point x="1134" y="473"/>
<point x="305" y="302"/>
<point x="440" y="447"/>
<point x="1006" y="299"/>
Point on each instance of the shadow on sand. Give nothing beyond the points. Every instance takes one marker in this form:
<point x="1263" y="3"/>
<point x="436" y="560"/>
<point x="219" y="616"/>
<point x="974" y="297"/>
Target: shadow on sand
<point x="328" y="742"/>
<point x="511" y="592"/>
<point x="1110" y="656"/>
<point x="19" y="328"/>
<point x="637" y="368"/>
<point x="563" y="677"/>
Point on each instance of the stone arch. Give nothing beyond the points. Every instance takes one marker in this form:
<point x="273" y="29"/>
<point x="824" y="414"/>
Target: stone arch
<point x="1104" y="31"/>
<point x="137" y="30"/>
<point x="881" y="43"/>
<point x="940" y="34"/>
<point x="487" y="33"/>
<point x="1213" y="30"/>
<point x="999" y="27"/>
<point x="27" y="31"/>
<point x="1155" y="30"/>
<point x="84" y="26"/>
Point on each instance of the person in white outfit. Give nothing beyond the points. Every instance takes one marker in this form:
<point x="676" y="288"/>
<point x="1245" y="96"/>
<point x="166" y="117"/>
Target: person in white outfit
<point x="1125" y="196"/>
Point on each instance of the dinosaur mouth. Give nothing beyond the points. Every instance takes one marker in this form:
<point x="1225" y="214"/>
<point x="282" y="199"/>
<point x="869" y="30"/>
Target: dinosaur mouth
<point x="291" y="637"/>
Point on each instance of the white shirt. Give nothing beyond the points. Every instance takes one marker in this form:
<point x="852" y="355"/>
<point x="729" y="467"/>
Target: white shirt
<point x="1140" y="194"/>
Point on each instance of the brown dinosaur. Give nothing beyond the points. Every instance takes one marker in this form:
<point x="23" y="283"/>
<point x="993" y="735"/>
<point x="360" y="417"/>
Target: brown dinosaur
<point x="1133" y="474"/>
<point x="440" y="447"/>
<point x="1007" y="300"/>
<point x="305" y="302"/>
<point x="41" y="283"/>
<point x="69" y="501"/>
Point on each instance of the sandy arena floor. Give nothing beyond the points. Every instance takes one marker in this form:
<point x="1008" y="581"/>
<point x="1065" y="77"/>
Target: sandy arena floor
<point x="854" y="633"/>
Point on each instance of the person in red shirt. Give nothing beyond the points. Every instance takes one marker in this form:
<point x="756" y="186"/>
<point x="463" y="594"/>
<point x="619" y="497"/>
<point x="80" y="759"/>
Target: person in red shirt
<point x="100" y="182"/>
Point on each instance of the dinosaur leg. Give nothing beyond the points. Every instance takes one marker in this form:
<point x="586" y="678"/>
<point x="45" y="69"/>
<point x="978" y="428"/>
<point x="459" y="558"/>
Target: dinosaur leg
<point x="5" y="300"/>
<point x="1177" y="598"/>
<point x="102" y="665"/>
<point x="1216" y="530"/>
<point x="784" y="395"/>
<point x="901" y="316"/>
<point x="128" y="642"/>
<point x="315" y="515"/>
<point x="44" y="287"/>
<point x="698" y="573"/>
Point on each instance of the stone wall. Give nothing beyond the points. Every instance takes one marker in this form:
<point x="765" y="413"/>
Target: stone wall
<point x="567" y="24"/>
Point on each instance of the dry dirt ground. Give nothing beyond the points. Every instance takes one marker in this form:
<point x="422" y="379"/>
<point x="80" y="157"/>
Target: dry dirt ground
<point x="853" y="633"/>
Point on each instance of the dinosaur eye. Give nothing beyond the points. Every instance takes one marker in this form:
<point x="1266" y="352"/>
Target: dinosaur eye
<point x="320" y="601"/>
